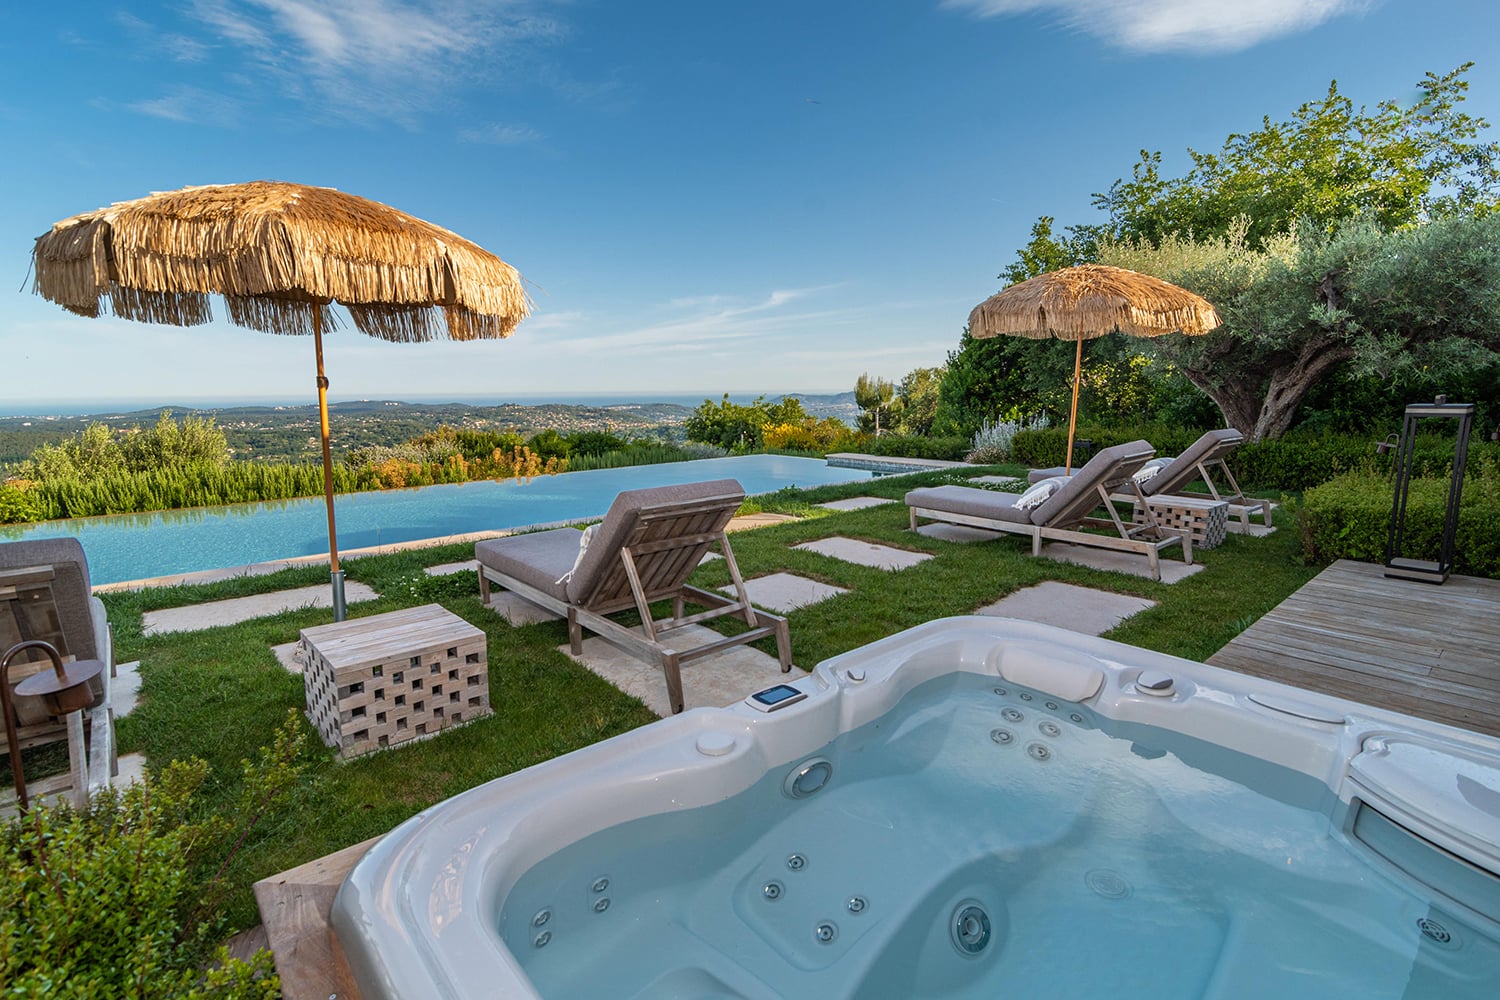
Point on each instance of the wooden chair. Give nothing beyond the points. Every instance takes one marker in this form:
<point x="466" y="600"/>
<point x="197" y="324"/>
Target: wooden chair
<point x="643" y="551"/>
<point x="45" y="594"/>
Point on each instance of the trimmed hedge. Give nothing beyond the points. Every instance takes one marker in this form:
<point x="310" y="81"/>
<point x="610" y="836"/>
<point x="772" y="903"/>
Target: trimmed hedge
<point x="1045" y="448"/>
<point x="948" y="449"/>
<point x="1348" y="517"/>
<point x="1293" y="463"/>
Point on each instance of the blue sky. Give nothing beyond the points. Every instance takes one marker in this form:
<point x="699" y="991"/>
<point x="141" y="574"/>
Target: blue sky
<point x="703" y="197"/>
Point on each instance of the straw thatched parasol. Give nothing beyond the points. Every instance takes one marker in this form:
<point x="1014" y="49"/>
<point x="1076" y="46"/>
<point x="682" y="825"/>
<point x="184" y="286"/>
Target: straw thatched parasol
<point x="280" y="255"/>
<point x="1088" y="301"/>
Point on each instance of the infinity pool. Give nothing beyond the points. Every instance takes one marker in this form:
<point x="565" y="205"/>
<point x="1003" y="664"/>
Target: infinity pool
<point x="141" y="546"/>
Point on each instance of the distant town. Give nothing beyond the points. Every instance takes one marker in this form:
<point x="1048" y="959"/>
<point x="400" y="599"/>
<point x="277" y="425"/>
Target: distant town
<point x="271" y="433"/>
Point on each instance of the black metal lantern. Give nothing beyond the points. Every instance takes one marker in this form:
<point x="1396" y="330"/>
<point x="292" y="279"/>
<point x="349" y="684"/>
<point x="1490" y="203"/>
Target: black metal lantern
<point x="1425" y="570"/>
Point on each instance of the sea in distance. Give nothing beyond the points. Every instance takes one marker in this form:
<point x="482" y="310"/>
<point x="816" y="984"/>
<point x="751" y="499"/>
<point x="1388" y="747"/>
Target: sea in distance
<point x="76" y="407"/>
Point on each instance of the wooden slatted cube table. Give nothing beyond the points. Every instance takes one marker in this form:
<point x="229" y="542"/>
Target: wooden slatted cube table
<point x="378" y="681"/>
<point x="1206" y="521"/>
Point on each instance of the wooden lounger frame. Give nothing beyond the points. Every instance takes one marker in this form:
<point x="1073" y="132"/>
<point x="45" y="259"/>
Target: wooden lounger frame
<point x="1148" y="538"/>
<point x="1240" y="506"/>
<point x="661" y="550"/>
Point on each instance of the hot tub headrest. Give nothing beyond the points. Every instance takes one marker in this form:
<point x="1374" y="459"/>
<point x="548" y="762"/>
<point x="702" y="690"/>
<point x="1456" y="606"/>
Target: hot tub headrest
<point x="1063" y="673"/>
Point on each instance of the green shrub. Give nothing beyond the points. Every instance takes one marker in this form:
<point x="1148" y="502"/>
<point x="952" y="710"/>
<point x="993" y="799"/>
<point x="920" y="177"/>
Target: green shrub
<point x="1043" y="449"/>
<point x="993" y="441"/>
<point x="17" y="505"/>
<point x="644" y="454"/>
<point x="1292" y="463"/>
<point x="118" y="900"/>
<point x="948" y="449"/>
<point x="1301" y="461"/>
<point x="1348" y="517"/>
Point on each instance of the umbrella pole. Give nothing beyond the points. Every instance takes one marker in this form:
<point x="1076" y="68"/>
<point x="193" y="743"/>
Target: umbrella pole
<point x="1072" y="416"/>
<point x="335" y="574"/>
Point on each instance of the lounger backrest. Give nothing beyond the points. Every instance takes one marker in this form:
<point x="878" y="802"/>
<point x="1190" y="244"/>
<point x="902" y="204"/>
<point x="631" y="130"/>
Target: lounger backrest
<point x="70" y="586"/>
<point x="1110" y="467"/>
<point x="674" y="511"/>
<point x="1211" y="447"/>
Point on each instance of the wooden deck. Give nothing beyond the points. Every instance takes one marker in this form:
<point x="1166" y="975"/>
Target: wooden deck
<point x="1430" y="651"/>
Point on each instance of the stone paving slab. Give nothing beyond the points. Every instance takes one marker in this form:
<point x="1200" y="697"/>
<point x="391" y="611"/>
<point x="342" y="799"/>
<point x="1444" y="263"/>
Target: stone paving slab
<point x="1078" y="609"/>
<point x="238" y="609"/>
<point x="1173" y="570"/>
<point x="517" y="610"/>
<point x="286" y="655"/>
<point x="854" y="503"/>
<point x="713" y="681"/>
<point x="448" y="569"/>
<point x="786" y="592"/>
<point x="958" y="533"/>
<point x="865" y="553"/>
<point x="57" y="789"/>
<point x="125" y="688"/>
<point x="744" y="522"/>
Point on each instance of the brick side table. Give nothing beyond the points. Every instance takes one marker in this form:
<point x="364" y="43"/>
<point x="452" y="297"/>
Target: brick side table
<point x="1206" y="521"/>
<point x="379" y="681"/>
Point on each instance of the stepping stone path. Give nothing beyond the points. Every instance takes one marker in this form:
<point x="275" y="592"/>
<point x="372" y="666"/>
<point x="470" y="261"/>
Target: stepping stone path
<point x="125" y="688"/>
<point x="786" y="592"/>
<point x="235" y="610"/>
<point x="448" y="569"/>
<point x="1173" y="569"/>
<point x="855" y="503"/>
<point x="517" y="610"/>
<point x="714" y="681"/>
<point x="864" y="553"/>
<point x="1078" y="609"/>
<point x="957" y="533"/>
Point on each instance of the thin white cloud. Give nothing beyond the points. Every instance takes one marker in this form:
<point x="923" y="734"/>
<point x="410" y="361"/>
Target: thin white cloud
<point x="191" y="106"/>
<point x="718" y="319"/>
<point x="1175" y="25"/>
<point x="390" y="58"/>
<point x="500" y="134"/>
<point x="148" y="39"/>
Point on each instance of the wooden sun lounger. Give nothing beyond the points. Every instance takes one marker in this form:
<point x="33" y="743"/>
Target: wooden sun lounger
<point x="644" y="551"/>
<point x="1198" y="462"/>
<point x="1065" y="512"/>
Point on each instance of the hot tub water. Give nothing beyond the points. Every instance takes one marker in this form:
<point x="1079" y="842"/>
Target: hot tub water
<point x="983" y="840"/>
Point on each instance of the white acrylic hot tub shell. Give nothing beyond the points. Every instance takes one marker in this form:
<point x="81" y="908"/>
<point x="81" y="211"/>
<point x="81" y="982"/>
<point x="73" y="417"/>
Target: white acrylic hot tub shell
<point x="418" y="916"/>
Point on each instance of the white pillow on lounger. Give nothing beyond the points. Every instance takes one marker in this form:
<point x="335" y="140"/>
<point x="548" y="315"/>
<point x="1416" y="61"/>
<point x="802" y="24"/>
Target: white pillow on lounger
<point x="1039" y="492"/>
<point x="584" y="537"/>
<point x="1150" y="469"/>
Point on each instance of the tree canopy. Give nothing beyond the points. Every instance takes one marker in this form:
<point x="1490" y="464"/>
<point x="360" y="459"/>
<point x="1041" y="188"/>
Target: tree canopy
<point x="1290" y="230"/>
<point x="1331" y="161"/>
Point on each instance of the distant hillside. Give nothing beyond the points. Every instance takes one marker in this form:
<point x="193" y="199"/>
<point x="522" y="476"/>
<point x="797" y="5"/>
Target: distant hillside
<point x="840" y="405"/>
<point x="290" y="433"/>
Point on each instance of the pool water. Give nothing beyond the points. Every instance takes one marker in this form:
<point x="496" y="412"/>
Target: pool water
<point x="980" y="841"/>
<point x="141" y="546"/>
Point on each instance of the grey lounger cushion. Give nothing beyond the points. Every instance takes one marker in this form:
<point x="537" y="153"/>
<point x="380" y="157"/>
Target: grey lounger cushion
<point x="539" y="559"/>
<point x="1183" y="469"/>
<point x="969" y="500"/>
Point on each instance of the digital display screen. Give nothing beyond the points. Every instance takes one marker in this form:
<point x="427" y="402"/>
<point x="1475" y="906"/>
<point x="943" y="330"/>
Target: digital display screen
<point x="776" y="695"/>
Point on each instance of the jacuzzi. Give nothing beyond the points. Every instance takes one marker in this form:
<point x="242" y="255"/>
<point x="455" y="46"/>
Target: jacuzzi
<point x="976" y="807"/>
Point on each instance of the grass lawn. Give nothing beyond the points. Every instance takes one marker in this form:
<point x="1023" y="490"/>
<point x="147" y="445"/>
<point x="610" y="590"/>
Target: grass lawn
<point x="219" y="694"/>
